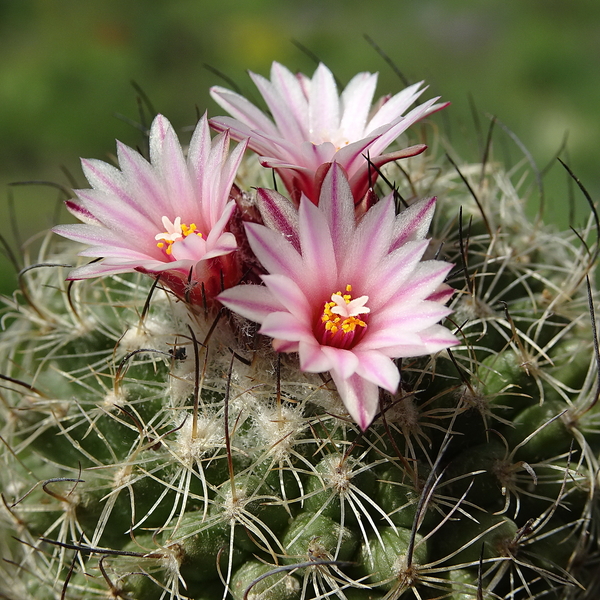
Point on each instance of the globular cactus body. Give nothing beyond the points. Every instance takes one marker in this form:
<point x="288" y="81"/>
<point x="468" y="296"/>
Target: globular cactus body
<point x="153" y="449"/>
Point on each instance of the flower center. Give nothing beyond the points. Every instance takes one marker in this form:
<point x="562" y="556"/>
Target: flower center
<point x="174" y="232"/>
<point x="340" y="318"/>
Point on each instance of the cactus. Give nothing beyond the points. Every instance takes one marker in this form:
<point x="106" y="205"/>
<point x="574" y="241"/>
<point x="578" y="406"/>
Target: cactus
<point x="159" y="447"/>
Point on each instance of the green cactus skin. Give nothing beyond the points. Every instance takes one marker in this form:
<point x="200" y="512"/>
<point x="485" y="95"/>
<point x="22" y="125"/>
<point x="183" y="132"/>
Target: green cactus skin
<point x="149" y="455"/>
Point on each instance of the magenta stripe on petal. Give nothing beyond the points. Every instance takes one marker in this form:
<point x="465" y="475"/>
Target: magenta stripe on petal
<point x="284" y="326"/>
<point x="337" y="204"/>
<point x="378" y="369"/>
<point x="254" y="302"/>
<point x="290" y="295"/>
<point x="312" y="359"/>
<point x="413" y="222"/>
<point x="346" y="362"/>
<point x="278" y="213"/>
<point x="274" y="252"/>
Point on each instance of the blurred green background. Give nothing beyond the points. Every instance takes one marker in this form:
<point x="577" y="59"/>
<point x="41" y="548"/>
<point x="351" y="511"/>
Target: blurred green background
<point x="66" y="68"/>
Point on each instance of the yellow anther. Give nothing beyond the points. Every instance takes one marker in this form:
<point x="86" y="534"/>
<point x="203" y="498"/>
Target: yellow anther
<point x="174" y="232"/>
<point x="336" y="316"/>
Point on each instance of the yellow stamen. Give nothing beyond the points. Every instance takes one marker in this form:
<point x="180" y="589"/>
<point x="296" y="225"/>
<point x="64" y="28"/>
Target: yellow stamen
<point x="174" y="232"/>
<point x="336" y="317"/>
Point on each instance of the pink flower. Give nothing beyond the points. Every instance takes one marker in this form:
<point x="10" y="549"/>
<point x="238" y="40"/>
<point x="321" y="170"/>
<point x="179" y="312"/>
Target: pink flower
<point x="167" y="216"/>
<point x="348" y="297"/>
<point x="313" y="126"/>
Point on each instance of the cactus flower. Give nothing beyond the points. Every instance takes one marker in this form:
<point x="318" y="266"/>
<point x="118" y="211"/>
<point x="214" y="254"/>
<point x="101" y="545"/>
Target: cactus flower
<point x="313" y="126"/>
<point x="168" y="216"/>
<point x="349" y="297"/>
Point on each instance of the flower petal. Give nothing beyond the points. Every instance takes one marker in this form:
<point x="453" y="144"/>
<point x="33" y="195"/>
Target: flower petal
<point x="288" y="293"/>
<point x="323" y="106"/>
<point x="356" y="103"/>
<point x="312" y="357"/>
<point x="286" y="101"/>
<point x="337" y="204"/>
<point x="360" y="397"/>
<point x="413" y="222"/>
<point x="371" y="240"/>
<point x="241" y="109"/>
<point x="255" y="302"/>
<point x="274" y="252"/>
<point x="395" y="106"/>
<point x="279" y="214"/>
<point x="346" y="362"/>
<point x="378" y="369"/>
<point x="286" y="327"/>
<point x="316" y="245"/>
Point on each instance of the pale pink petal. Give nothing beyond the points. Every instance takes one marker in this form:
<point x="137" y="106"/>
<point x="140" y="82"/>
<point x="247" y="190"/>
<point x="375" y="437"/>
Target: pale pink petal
<point x="225" y="244"/>
<point x="290" y="295"/>
<point x="337" y="204"/>
<point x="255" y="302"/>
<point x="228" y="172"/>
<point x="312" y="358"/>
<point x="192" y="248"/>
<point x="273" y="251"/>
<point x="241" y="109"/>
<point x="395" y="106"/>
<point x="172" y="166"/>
<point x="430" y="341"/>
<point x="400" y="329"/>
<point x="286" y="101"/>
<point x="442" y="294"/>
<point x="121" y="218"/>
<point x="385" y="139"/>
<point x="363" y="173"/>
<point x="314" y="155"/>
<point x="106" y="178"/>
<point x="199" y="150"/>
<point x="120" y="251"/>
<point x="408" y="316"/>
<point x="323" y="105"/>
<point x="378" y="369"/>
<point x="88" y="234"/>
<point x="140" y="173"/>
<point x="284" y="116"/>
<point x="425" y="280"/>
<point x="286" y="327"/>
<point x="278" y="213"/>
<point x="96" y="270"/>
<point x="438" y="338"/>
<point x="316" y="244"/>
<point x="360" y="397"/>
<point x="371" y="240"/>
<point x="216" y="230"/>
<point x="285" y="346"/>
<point x="261" y="144"/>
<point x="346" y="362"/>
<point x="353" y="157"/>
<point x="356" y="104"/>
<point x="81" y="213"/>
<point x="158" y="132"/>
<point x="394" y="272"/>
<point x="213" y="185"/>
<point x="413" y="222"/>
